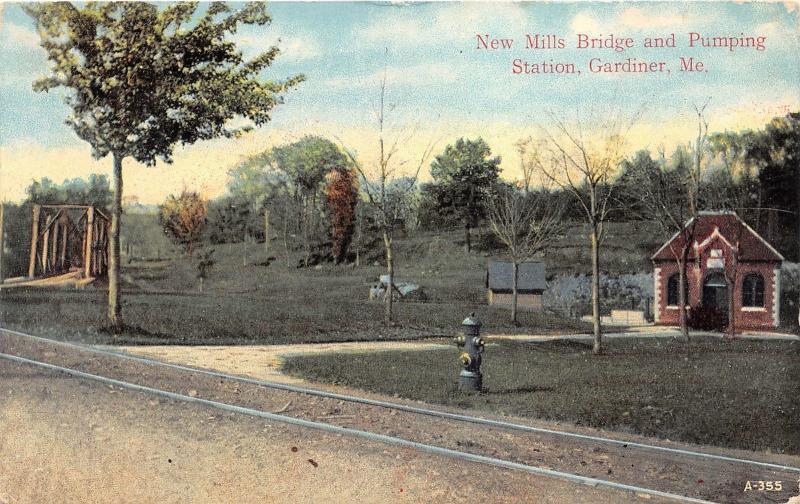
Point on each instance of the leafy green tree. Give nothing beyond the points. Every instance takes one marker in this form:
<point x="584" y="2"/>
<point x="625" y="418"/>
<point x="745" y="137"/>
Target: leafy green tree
<point x="228" y="219"/>
<point x="464" y="172"/>
<point x="775" y="152"/>
<point x="307" y="162"/>
<point x="95" y="190"/>
<point x="184" y="219"/>
<point x="141" y="79"/>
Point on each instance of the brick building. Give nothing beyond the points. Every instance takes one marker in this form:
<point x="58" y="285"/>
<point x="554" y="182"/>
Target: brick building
<point x="724" y="251"/>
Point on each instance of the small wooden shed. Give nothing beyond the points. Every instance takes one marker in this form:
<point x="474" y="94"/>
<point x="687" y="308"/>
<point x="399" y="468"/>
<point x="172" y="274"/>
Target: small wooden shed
<point x="531" y="284"/>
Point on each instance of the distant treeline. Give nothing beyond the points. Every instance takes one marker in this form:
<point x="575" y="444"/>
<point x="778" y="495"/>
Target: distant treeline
<point x="754" y="172"/>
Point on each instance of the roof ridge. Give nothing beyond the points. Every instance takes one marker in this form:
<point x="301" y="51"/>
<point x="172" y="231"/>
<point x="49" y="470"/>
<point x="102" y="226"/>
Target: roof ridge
<point x="720" y="213"/>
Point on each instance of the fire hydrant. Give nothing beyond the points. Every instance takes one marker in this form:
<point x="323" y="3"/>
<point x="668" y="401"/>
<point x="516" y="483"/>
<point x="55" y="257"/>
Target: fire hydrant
<point x="472" y="343"/>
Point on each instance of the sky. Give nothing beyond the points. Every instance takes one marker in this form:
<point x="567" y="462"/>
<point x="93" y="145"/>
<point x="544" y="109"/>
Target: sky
<point x="441" y="83"/>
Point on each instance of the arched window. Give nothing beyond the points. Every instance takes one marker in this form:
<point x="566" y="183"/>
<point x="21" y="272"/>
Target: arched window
<point x="672" y="290"/>
<point x="753" y="290"/>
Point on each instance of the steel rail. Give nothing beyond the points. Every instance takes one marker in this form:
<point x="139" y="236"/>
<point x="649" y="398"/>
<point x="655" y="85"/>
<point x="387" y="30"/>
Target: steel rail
<point x="436" y="450"/>
<point x="413" y="409"/>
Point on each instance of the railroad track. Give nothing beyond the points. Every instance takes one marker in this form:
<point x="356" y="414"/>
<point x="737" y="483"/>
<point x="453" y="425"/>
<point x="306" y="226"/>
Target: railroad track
<point x="673" y="466"/>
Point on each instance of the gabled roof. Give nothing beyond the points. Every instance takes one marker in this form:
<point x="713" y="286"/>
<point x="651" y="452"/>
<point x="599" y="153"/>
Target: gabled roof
<point x="530" y="276"/>
<point x="725" y="226"/>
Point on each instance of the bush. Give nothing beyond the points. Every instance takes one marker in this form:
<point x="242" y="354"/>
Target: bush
<point x="707" y="318"/>
<point x="571" y="295"/>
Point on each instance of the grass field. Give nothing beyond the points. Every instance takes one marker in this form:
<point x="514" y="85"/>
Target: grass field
<point x="258" y="296"/>
<point x="249" y="302"/>
<point x="740" y="394"/>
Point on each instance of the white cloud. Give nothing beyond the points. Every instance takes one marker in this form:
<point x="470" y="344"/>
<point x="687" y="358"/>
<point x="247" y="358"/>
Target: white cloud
<point x="394" y="29"/>
<point x="449" y="23"/>
<point x="14" y="78"/>
<point x="630" y="19"/>
<point x="299" y="48"/>
<point x="295" y="47"/>
<point x="583" y="22"/>
<point x="421" y="74"/>
<point x="20" y="35"/>
<point x="466" y="19"/>
<point x="637" y="19"/>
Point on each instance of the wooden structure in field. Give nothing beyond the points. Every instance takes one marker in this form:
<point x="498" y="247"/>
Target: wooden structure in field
<point x="531" y="284"/>
<point x="68" y="241"/>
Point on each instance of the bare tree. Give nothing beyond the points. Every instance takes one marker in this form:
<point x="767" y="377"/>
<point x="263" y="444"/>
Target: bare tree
<point x="529" y="150"/>
<point x="386" y="188"/>
<point x="662" y="196"/>
<point x="669" y="197"/>
<point x="585" y="165"/>
<point x="735" y="196"/>
<point x="526" y="225"/>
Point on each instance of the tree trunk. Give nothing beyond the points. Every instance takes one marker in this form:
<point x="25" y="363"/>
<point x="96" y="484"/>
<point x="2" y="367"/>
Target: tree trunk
<point x="306" y="239"/>
<point x="286" y="233"/>
<point x="388" y="315"/>
<point x="244" y="252"/>
<point x="731" y="329"/>
<point x="358" y="237"/>
<point x="2" y="242"/>
<point x="682" y="294"/>
<point x="467" y="236"/>
<point x="731" y="279"/>
<point x="114" y="294"/>
<point x="598" y="330"/>
<point x="515" y="270"/>
<point x="266" y="232"/>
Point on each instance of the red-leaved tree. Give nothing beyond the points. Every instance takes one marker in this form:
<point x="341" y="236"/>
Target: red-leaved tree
<point x="342" y="194"/>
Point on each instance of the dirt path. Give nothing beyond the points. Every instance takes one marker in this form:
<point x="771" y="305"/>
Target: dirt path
<point x="66" y="440"/>
<point x="714" y="480"/>
<point x="262" y="361"/>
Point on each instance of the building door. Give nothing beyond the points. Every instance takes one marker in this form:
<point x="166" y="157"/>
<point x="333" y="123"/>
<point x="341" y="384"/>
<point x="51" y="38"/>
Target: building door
<point x="715" y="292"/>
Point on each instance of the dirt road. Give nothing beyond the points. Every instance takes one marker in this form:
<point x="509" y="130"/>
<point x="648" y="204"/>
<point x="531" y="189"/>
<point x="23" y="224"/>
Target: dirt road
<point x="65" y="440"/>
<point x="437" y="479"/>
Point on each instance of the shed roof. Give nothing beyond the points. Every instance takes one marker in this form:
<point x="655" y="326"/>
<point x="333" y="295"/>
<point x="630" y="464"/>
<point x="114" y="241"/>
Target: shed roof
<point x="530" y="276"/>
<point x="731" y="228"/>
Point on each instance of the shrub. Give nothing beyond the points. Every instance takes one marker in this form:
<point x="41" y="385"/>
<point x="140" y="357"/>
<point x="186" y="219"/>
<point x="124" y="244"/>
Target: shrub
<point x="707" y="318"/>
<point x="571" y="295"/>
<point x="184" y="218"/>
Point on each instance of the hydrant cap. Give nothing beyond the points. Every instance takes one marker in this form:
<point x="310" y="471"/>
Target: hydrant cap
<point x="472" y="320"/>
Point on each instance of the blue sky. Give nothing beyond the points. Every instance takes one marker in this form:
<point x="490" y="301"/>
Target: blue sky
<point x="438" y="79"/>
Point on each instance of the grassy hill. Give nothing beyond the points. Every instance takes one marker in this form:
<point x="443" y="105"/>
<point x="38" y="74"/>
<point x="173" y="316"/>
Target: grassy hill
<point x="265" y="298"/>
